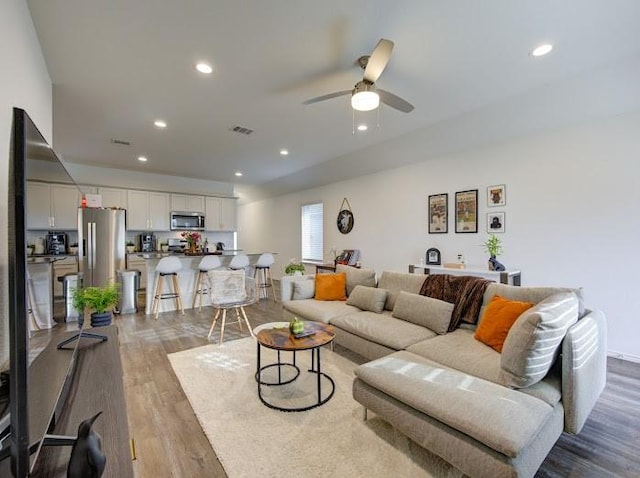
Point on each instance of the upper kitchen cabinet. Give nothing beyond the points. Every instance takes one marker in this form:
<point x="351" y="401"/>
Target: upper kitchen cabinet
<point x="186" y="202"/>
<point x="52" y="206"/>
<point x="112" y="197"/>
<point x="147" y="211"/>
<point x="220" y="214"/>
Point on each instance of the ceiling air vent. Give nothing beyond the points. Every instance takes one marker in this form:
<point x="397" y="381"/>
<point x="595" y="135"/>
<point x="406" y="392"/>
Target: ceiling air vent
<point x="241" y="130"/>
<point x="121" y="142"/>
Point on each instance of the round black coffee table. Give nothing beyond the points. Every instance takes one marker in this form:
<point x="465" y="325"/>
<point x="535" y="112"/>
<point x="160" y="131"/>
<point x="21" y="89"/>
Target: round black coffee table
<point x="280" y="339"/>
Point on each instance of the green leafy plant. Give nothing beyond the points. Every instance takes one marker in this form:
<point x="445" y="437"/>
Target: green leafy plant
<point x="96" y="299"/>
<point x="293" y="267"/>
<point x="130" y="243"/>
<point x="493" y="245"/>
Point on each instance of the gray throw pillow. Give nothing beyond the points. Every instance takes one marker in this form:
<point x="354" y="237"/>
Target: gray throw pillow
<point x="368" y="298"/>
<point x="355" y="276"/>
<point x="534" y="339"/>
<point x="425" y="311"/>
<point x="304" y="289"/>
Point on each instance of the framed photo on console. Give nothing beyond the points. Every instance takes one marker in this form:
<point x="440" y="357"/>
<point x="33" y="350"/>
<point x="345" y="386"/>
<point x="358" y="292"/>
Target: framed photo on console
<point x="438" y="214"/>
<point x="467" y="211"/>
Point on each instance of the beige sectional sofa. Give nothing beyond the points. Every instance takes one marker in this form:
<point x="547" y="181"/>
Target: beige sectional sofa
<point x="486" y="413"/>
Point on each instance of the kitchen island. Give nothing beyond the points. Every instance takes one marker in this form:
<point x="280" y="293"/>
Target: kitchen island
<point x="186" y="277"/>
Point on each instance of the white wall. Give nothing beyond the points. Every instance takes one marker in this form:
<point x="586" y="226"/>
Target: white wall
<point x="25" y="83"/>
<point x="571" y="215"/>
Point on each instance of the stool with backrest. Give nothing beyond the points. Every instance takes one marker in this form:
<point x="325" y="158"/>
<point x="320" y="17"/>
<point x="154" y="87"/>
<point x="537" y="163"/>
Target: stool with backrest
<point x="168" y="266"/>
<point x="239" y="262"/>
<point x="208" y="263"/>
<point x="262" y="274"/>
<point x="231" y="290"/>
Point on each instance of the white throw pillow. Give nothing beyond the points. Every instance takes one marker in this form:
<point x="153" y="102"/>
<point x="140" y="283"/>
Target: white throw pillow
<point x="304" y="289"/>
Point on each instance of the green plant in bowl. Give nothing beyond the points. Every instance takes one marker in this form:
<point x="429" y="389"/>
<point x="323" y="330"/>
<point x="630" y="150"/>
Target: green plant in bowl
<point x="293" y="267"/>
<point x="493" y="246"/>
<point x="99" y="300"/>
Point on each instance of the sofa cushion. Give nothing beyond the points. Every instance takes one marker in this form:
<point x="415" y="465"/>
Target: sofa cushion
<point x="304" y="289"/>
<point x="426" y="311"/>
<point x="382" y="329"/>
<point x="355" y="276"/>
<point x="458" y="350"/>
<point x="318" y="310"/>
<point x="532" y="343"/>
<point x="395" y="282"/>
<point x="528" y="294"/>
<point x="501" y="418"/>
<point x="498" y="318"/>
<point x="331" y="286"/>
<point x="368" y="298"/>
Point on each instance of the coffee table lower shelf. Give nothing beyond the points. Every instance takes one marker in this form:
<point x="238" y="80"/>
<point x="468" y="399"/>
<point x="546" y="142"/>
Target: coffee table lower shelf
<point x="280" y="365"/>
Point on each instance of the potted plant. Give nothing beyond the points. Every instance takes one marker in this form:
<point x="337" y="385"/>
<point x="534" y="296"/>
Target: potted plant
<point x="131" y="247"/>
<point x="99" y="300"/>
<point x="493" y="247"/>
<point x="73" y="248"/>
<point x="164" y="247"/>
<point x="294" y="268"/>
<point x="30" y="249"/>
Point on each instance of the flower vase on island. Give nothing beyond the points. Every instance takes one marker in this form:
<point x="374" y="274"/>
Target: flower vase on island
<point x="192" y="239"/>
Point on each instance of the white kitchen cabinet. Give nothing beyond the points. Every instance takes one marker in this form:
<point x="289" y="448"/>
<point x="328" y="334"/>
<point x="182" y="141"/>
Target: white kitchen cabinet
<point x="147" y="211"/>
<point x="68" y="265"/>
<point x="187" y="202"/>
<point x="52" y="206"/>
<point x="112" y="197"/>
<point x="220" y="214"/>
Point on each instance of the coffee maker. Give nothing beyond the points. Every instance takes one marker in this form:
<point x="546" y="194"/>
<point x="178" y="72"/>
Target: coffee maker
<point x="147" y="242"/>
<point x="56" y="242"/>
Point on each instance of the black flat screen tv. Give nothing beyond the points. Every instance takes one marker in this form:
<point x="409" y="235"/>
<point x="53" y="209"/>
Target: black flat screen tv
<point x="21" y="435"/>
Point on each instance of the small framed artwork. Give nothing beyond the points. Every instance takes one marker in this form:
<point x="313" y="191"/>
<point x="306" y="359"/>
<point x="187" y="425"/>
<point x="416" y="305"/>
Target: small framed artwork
<point x="433" y="257"/>
<point x="495" y="222"/>
<point x="438" y="214"/>
<point x="467" y="211"/>
<point x="496" y="195"/>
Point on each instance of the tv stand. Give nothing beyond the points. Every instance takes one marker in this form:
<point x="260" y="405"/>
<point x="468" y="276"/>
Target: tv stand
<point x="81" y="335"/>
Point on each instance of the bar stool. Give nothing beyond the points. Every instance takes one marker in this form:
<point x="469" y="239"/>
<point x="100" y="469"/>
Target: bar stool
<point x="262" y="275"/>
<point x="208" y="263"/>
<point x="241" y="261"/>
<point x="168" y="266"/>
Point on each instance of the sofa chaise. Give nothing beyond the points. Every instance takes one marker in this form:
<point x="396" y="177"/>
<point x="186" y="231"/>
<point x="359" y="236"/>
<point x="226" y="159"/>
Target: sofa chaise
<point x="488" y="413"/>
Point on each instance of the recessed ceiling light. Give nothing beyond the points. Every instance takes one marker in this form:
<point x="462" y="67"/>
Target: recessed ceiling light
<point x="142" y="159"/>
<point x="238" y="173"/>
<point x="542" y="49"/>
<point x="362" y="127"/>
<point x="204" y="68"/>
<point x="284" y="152"/>
<point x="160" y="124"/>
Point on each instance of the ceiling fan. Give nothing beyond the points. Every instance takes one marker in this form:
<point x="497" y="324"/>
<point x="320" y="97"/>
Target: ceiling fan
<point x="364" y="95"/>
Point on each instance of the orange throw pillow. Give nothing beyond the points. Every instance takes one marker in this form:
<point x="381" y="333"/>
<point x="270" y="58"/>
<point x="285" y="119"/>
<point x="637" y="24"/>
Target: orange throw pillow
<point x="497" y="320"/>
<point x="331" y="286"/>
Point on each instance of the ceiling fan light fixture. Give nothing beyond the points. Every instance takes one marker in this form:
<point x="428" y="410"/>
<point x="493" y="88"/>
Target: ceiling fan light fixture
<point x="365" y="101"/>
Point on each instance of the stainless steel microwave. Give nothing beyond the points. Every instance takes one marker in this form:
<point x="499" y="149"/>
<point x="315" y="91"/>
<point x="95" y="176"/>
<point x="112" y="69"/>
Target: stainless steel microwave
<point x="187" y="221"/>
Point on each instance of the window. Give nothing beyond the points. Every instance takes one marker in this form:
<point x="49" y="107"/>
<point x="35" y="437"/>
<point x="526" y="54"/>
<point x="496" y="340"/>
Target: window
<point x="312" y="245"/>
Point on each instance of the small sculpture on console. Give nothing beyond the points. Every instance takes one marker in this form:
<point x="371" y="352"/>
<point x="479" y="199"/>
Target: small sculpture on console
<point x="87" y="458"/>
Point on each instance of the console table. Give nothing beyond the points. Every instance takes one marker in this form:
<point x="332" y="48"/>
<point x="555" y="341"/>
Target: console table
<point x="504" y="277"/>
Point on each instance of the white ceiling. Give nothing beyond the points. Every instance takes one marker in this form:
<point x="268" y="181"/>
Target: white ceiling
<point x="116" y="66"/>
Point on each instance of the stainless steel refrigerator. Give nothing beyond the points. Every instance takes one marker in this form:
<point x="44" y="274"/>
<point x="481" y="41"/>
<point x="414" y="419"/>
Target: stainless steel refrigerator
<point x="101" y="245"/>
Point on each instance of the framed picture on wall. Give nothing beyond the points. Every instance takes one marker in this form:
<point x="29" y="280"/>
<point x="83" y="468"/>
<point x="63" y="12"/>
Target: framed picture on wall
<point x="438" y="214"/>
<point x="496" y="195"/>
<point x="467" y="211"/>
<point x="495" y="222"/>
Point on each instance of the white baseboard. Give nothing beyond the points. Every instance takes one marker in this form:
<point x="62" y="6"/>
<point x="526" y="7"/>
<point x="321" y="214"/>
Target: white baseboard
<point x="621" y="356"/>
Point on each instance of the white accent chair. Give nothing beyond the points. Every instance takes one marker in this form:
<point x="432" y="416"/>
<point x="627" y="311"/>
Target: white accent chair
<point x="231" y="290"/>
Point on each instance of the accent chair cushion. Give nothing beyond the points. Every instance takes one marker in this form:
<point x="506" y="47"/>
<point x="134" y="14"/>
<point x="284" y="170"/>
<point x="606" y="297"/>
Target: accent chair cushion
<point x="368" y="298"/>
<point x="331" y="286"/>
<point x="421" y="310"/>
<point x="498" y="318"/>
<point x="534" y="339"/>
<point x="355" y="277"/>
<point x="304" y="289"/>
<point x="227" y="287"/>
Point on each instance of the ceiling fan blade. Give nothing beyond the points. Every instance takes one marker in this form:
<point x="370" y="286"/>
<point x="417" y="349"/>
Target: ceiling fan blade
<point x="326" y="97"/>
<point x="395" y="101"/>
<point x="378" y="60"/>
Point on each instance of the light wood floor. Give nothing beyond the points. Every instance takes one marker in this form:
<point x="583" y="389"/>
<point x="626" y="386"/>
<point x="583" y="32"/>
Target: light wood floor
<point x="170" y="442"/>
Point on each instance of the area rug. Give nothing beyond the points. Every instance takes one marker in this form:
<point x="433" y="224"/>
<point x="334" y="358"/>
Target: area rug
<point x="252" y="440"/>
